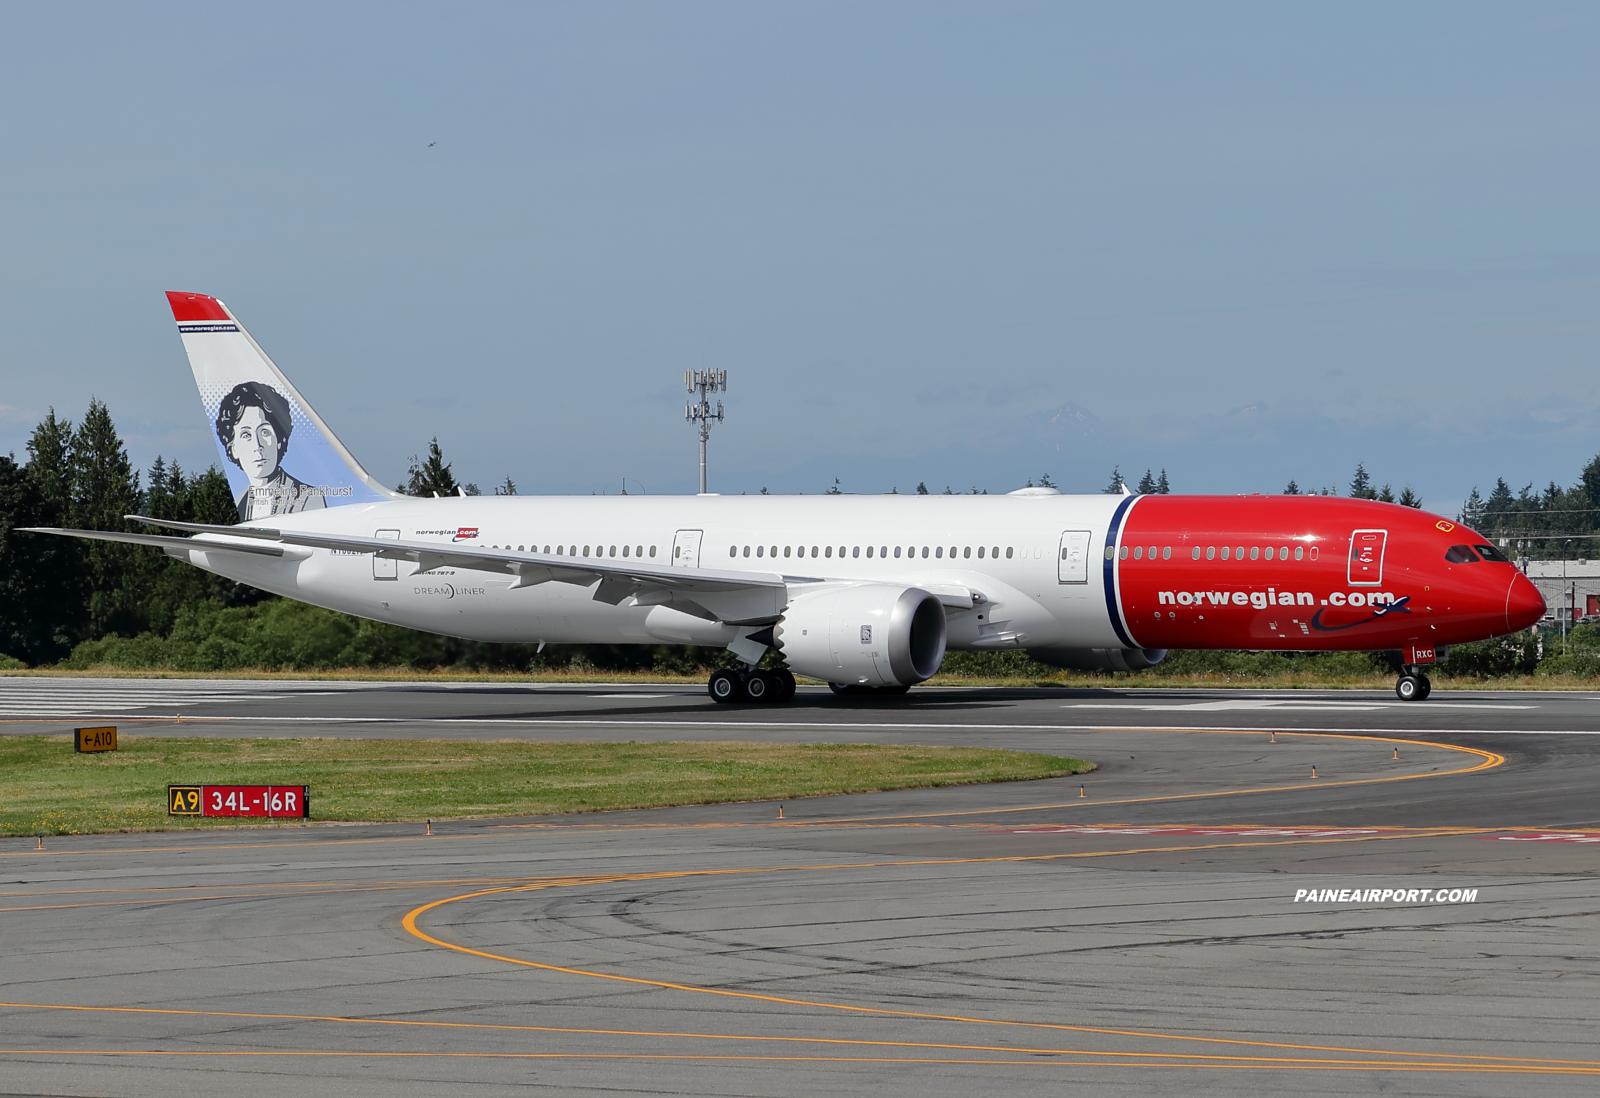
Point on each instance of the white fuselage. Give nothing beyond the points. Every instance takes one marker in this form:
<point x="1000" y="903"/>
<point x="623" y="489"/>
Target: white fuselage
<point x="1009" y="549"/>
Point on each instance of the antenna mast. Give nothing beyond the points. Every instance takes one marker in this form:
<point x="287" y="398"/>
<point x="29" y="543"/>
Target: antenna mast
<point x="699" y="413"/>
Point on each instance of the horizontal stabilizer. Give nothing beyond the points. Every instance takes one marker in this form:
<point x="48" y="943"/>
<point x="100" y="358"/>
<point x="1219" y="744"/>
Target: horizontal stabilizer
<point x="160" y="540"/>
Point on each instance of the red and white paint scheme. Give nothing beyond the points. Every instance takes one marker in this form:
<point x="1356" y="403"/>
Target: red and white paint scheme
<point x="866" y="593"/>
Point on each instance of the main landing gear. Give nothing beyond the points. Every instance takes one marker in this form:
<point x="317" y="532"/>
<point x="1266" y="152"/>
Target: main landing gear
<point x="731" y="685"/>
<point x="1413" y="685"/>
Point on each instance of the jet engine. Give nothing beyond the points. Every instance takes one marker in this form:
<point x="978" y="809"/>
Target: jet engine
<point x="1100" y="659"/>
<point x="875" y="634"/>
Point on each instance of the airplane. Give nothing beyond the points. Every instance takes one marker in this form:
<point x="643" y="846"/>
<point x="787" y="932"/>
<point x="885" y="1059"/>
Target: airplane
<point x="863" y="593"/>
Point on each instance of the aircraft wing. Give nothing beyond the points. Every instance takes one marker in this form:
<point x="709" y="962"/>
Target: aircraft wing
<point x="737" y="598"/>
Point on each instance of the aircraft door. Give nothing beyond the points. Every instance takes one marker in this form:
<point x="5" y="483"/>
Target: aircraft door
<point x="1073" y="563"/>
<point x="1366" y="557"/>
<point x="686" y="549"/>
<point x="385" y="568"/>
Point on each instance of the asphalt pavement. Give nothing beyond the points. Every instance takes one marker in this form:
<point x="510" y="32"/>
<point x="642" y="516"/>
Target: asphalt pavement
<point x="1199" y="915"/>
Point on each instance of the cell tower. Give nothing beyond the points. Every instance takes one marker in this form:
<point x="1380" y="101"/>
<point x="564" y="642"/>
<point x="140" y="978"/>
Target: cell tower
<point x="699" y="413"/>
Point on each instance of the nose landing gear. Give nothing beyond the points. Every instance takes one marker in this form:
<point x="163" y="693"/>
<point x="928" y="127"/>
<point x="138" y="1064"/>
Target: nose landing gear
<point x="1413" y="685"/>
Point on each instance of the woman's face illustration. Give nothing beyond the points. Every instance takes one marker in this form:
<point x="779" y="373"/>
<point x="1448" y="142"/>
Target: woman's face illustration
<point x="255" y="445"/>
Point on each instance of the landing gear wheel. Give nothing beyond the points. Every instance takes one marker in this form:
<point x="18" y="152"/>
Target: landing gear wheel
<point x="1427" y="687"/>
<point x="844" y="688"/>
<point x="725" y="686"/>
<point x="785" y="684"/>
<point x="1409" y="688"/>
<point x="762" y="686"/>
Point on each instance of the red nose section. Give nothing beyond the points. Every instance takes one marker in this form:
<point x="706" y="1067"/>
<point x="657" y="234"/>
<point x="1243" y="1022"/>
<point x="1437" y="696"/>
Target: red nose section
<point x="1524" y="604"/>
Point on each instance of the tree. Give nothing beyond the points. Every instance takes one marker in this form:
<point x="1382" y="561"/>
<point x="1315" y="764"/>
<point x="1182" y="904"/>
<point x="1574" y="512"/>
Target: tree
<point x="104" y="488"/>
<point x="1361" y="483"/>
<point x="48" y="452"/>
<point x="1408" y="498"/>
<point x="922" y="487"/>
<point x="432" y="477"/>
<point x="1147" y="484"/>
<point x="43" y="610"/>
<point x="509" y="488"/>
<point x="1472" y="509"/>
<point x="1162" y="487"/>
<point x="1385" y="494"/>
<point x="1045" y="481"/>
<point x="471" y="489"/>
<point x="1500" y="499"/>
<point x="835" y="490"/>
<point x="1117" y="483"/>
<point x="1293" y="489"/>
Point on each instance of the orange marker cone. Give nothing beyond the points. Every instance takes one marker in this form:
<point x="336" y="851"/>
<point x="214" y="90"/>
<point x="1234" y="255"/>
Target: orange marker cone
<point x="41" y="840"/>
<point x="1397" y="752"/>
<point x="1274" y="738"/>
<point x="1081" y="793"/>
<point x="430" y="827"/>
<point x="1313" y="772"/>
<point x="780" y="812"/>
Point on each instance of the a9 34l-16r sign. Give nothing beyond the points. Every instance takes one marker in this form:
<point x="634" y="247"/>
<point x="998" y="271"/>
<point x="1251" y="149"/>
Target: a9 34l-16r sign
<point x="269" y="801"/>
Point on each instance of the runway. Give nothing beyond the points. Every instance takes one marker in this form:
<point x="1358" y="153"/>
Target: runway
<point x="1142" y="937"/>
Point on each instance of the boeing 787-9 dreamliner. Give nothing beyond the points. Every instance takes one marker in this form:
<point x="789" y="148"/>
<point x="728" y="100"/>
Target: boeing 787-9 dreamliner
<point x="864" y="593"/>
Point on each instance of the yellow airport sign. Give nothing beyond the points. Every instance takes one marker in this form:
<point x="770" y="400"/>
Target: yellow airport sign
<point x="94" y="739"/>
<point x="183" y="800"/>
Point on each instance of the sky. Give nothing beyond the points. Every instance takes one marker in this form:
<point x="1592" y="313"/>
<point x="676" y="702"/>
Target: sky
<point x="964" y="245"/>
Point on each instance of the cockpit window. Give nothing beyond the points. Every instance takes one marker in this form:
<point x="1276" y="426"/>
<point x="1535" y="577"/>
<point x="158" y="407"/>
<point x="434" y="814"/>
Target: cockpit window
<point x="1460" y="554"/>
<point x="1489" y="552"/>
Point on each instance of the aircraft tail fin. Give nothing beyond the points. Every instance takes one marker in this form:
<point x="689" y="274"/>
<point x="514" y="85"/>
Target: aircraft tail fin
<point x="280" y="457"/>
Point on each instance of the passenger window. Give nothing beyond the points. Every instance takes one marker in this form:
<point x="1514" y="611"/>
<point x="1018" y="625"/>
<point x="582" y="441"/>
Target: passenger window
<point x="613" y="551"/>
<point x="1255" y="552"/>
<point x="733" y="551"/>
<point x="773" y="551"/>
<point x="1224" y="552"/>
<point x="1240" y="555"/>
<point x="938" y="551"/>
<point x="967" y="552"/>
<point x="625" y="550"/>
<point x="896" y="552"/>
<point x="1123" y="555"/>
<point x="786" y="549"/>
<point x="638" y="550"/>
<point x="813" y="550"/>
<point x="952" y="552"/>
<point x="1008" y="551"/>
<point x="1166" y="554"/>
<point x="829" y="552"/>
<point x="652" y="550"/>
<point x="761" y="550"/>
<point x="1490" y="553"/>
<point x="1211" y="553"/>
<point x="980" y="552"/>
<point x="1299" y="552"/>
<point x="856" y="552"/>
<point x="1138" y="552"/>
<point x="585" y="550"/>
<point x="869" y="550"/>
<point x="1269" y="552"/>
<point x="883" y="550"/>
<point x="924" y="552"/>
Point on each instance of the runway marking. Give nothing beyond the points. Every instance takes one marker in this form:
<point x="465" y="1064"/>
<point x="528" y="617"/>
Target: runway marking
<point x="1174" y="1059"/>
<point x="1444" y="1061"/>
<point x="1107" y="829"/>
<point x="1276" y="705"/>
<point x="1548" y="837"/>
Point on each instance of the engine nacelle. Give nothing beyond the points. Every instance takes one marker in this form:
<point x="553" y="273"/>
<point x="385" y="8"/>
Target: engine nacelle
<point x="1100" y="659"/>
<point x="875" y="634"/>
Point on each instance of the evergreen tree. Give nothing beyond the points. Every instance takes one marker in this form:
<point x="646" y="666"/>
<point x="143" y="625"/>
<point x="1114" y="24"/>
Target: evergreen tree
<point x="1500" y="499"/>
<point x="1408" y="498"/>
<point x="1163" y="488"/>
<point x="1293" y="489"/>
<point x="1045" y="481"/>
<point x="1472" y="509"/>
<point x="1147" y="484"/>
<point x="1385" y="494"/>
<point x="104" y="488"/>
<point x="432" y="476"/>
<point x="48" y="452"/>
<point x="509" y="488"/>
<point x="471" y="489"/>
<point x="1117" y="483"/>
<point x="1589" y="481"/>
<point x="43" y="611"/>
<point x="1361" y="483"/>
<point x="922" y="487"/>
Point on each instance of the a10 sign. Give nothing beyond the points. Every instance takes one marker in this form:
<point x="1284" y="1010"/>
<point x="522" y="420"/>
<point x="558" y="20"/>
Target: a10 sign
<point x="271" y="801"/>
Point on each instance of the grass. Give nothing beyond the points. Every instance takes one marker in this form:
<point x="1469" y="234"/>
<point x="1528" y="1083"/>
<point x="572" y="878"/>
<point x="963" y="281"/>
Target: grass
<point x="48" y="788"/>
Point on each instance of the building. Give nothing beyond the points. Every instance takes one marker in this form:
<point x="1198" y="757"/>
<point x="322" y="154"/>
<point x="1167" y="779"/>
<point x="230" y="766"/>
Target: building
<point x="1563" y="582"/>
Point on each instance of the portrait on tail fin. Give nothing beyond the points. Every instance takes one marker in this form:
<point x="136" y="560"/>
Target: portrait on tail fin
<point x="253" y="424"/>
